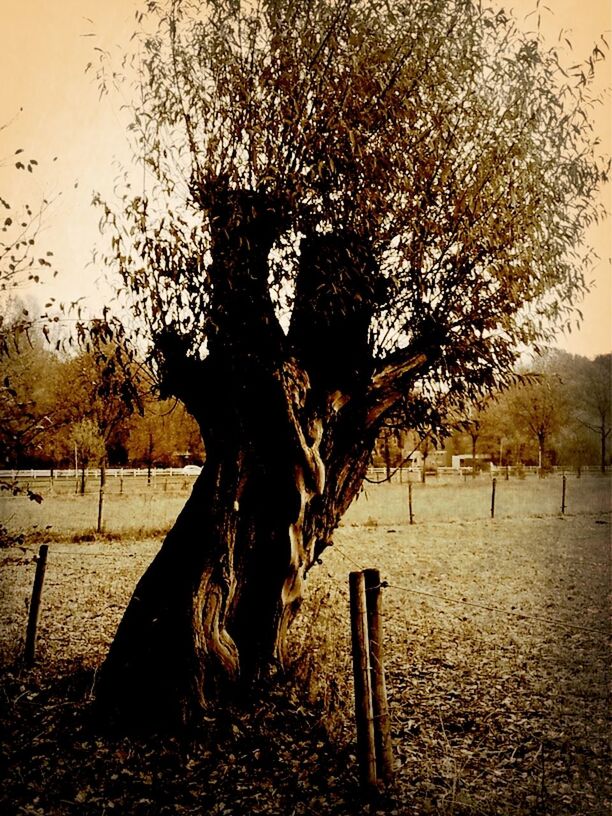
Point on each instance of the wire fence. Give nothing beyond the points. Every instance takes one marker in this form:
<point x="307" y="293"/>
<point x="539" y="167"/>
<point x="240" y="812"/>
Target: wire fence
<point x="106" y="571"/>
<point x="137" y="508"/>
<point x="512" y="613"/>
<point x="87" y="585"/>
<point x="454" y="650"/>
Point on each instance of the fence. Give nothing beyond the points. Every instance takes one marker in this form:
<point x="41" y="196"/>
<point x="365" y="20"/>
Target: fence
<point x="403" y="475"/>
<point x="495" y="632"/>
<point x="93" y="473"/>
<point x="396" y="475"/>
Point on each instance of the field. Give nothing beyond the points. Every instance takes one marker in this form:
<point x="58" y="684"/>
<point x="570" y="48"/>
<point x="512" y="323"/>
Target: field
<point x="496" y="649"/>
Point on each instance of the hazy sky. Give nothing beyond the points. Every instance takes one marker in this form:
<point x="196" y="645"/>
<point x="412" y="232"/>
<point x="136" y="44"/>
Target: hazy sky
<point x="44" y="48"/>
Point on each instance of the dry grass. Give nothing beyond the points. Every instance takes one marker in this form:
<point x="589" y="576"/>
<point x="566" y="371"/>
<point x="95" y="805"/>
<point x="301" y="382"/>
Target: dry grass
<point x="135" y="516"/>
<point x="494" y="711"/>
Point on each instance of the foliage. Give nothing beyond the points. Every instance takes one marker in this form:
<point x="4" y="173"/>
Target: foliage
<point x="22" y="259"/>
<point x="103" y="386"/>
<point x="455" y="146"/>
<point x="44" y="394"/>
<point x="89" y="441"/>
<point x="164" y="434"/>
<point x="8" y="539"/>
<point x="591" y="388"/>
<point x="559" y="399"/>
<point x="29" y="405"/>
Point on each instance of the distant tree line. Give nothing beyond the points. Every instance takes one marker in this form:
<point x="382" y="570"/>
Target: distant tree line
<point x="64" y="409"/>
<point x="88" y="408"/>
<point x="558" y="413"/>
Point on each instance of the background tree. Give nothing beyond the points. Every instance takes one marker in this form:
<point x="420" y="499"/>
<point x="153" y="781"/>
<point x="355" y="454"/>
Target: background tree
<point x="592" y="388"/>
<point x="540" y="407"/>
<point x="477" y="422"/>
<point x="498" y="429"/>
<point x="101" y="385"/>
<point x="164" y="434"/>
<point x="89" y="446"/>
<point x="30" y="412"/>
<point x="348" y="204"/>
<point x="575" y="446"/>
<point x="22" y="261"/>
<point x="574" y="393"/>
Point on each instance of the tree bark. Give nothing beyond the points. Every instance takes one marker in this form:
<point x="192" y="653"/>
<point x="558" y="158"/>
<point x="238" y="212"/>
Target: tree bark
<point x="288" y="422"/>
<point x="210" y="616"/>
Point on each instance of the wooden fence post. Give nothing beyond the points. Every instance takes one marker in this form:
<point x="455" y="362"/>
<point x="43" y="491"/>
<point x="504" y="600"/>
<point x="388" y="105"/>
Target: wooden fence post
<point x="563" y="489"/>
<point x="380" y="708"/>
<point x="493" y="487"/>
<point x="410" y="502"/>
<point x="100" y="508"/>
<point x="39" y="577"/>
<point x="364" y="715"/>
<point x="101" y="496"/>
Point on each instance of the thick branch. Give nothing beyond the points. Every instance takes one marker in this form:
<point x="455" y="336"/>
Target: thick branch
<point x="181" y="375"/>
<point x="244" y="226"/>
<point x="391" y="381"/>
<point x="337" y="288"/>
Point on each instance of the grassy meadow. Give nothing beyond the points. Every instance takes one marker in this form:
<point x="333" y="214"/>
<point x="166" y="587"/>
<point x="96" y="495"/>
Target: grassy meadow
<point x="496" y="650"/>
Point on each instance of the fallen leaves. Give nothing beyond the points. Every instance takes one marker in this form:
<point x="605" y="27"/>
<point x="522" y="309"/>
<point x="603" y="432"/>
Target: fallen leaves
<point x="492" y="713"/>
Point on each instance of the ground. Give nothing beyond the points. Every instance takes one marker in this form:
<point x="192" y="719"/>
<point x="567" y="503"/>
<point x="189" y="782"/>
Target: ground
<point x="496" y="649"/>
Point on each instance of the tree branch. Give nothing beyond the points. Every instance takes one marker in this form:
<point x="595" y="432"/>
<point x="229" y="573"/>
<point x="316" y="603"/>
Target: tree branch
<point x="390" y="382"/>
<point x="180" y="374"/>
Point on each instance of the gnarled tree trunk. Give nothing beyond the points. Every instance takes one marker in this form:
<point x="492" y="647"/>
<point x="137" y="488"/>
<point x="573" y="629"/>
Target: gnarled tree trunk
<point x="288" y="423"/>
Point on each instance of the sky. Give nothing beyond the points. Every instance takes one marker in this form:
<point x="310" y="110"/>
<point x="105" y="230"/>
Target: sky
<point x="55" y="114"/>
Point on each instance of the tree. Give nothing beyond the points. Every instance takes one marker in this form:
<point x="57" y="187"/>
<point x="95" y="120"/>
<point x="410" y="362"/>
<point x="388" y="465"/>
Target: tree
<point x="22" y="261"/>
<point x="349" y="205"/>
<point x="28" y="380"/>
<point x="594" y="401"/>
<point x="539" y="406"/>
<point x="101" y="386"/>
<point x="89" y="445"/>
<point x="164" y="434"/>
<point x="471" y="422"/>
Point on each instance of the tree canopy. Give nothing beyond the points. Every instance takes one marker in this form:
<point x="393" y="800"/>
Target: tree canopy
<point x="436" y="133"/>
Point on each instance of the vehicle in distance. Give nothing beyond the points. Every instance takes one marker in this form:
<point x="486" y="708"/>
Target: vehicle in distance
<point x="193" y="470"/>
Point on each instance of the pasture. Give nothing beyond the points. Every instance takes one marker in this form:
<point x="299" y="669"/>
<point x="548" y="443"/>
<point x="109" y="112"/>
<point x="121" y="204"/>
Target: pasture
<point x="496" y="644"/>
